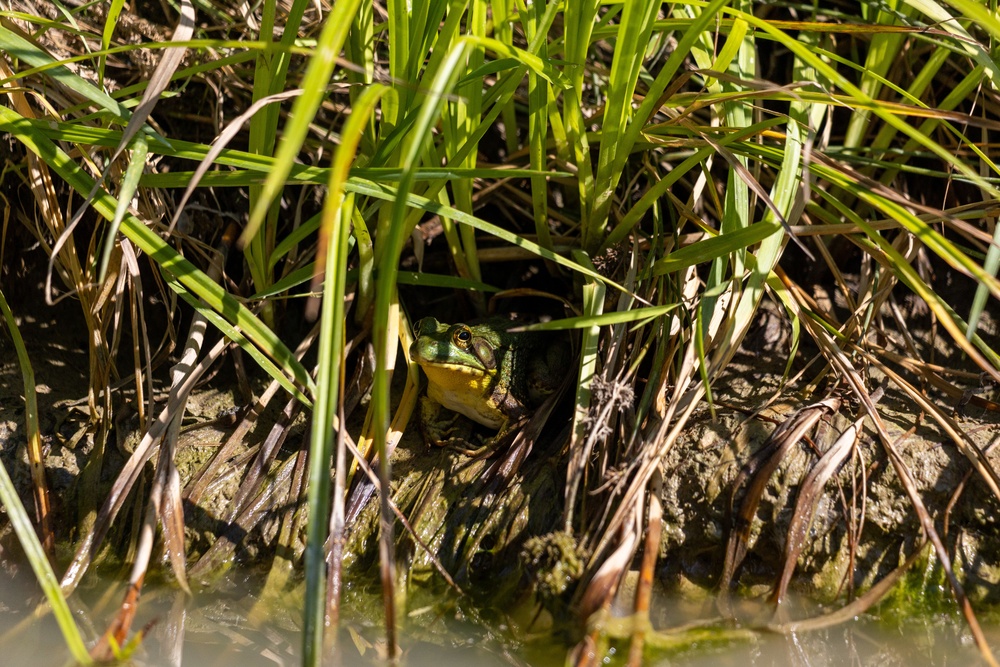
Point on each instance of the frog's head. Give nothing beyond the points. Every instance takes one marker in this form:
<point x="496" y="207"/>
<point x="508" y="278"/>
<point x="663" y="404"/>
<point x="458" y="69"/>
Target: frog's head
<point x="457" y="348"/>
<point x="463" y="364"/>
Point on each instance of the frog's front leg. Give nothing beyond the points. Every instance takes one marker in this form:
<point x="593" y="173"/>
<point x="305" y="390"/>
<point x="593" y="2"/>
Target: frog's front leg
<point x="442" y="427"/>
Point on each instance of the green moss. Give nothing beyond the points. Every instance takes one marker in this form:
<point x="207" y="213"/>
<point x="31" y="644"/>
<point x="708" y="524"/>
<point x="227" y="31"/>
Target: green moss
<point x="555" y="562"/>
<point x="921" y="592"/>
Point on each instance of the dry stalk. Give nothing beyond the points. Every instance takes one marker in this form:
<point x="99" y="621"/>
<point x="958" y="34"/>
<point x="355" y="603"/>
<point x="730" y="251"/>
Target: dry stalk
<point x="650" y="550"/>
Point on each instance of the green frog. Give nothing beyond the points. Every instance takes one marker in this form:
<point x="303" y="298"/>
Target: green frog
<point x="484" y="373"/>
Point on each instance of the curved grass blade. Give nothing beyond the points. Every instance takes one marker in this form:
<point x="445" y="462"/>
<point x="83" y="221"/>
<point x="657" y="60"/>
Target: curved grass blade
<point x="714" y="247"/>
<point x="390" y="246"/>
<point x="379" y="191"/>
<point x="661" y="187"/>
<point x="234" y="334"/>
<point x="19" y="47"/>
<point x="129" y="186"/>
<point x="219" y="145"/>
<point x="599" y="319"/>
<point x="539" y="66"/>
<point x="159" y="81"/>
<point x="166" y="257"/>
<point x="808" y="56"/>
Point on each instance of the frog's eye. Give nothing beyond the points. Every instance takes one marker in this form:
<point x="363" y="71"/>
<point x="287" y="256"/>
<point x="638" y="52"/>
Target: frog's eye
<point x="462" y="337"/>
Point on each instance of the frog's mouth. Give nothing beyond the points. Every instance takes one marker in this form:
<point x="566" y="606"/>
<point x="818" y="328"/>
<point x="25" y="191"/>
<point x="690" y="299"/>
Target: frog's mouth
<point x="458" y="378"/>
<point x="433" y="361"/>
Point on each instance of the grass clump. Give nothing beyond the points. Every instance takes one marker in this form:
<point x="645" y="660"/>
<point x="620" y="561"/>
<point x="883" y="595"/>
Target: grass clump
<point x="308" y="180"/>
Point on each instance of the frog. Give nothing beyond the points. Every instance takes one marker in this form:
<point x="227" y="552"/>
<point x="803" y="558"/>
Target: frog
<point x="483" y="374"/>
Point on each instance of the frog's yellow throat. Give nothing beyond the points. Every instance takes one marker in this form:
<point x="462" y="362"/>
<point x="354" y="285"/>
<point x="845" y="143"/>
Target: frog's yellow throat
<point x="465" y="390"/>
<point x="457" y="378"/>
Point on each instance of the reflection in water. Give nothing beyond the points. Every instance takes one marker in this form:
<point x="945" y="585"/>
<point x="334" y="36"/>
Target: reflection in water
<point x="229" y="626"/>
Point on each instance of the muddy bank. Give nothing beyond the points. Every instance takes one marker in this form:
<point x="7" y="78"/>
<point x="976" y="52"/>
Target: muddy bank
<point x="471" y="517"/>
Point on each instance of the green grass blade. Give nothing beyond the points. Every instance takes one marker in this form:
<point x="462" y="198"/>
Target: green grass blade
<point x="578" y="20"/>
<point x="664" y="77"/>
<point x="540" y="66"/>
<point x="140" y="149"/>
<point x="712" y="248"/>
<point x="365" y="187"/>
<point x="25" y="531"/>
<point x="234" y="334"/>
<point x="399" y="56"/>
<point x="502" y="12"/>
<point x="390" y="245"/>
<point x="110" y="23"/>
<point x="882" y="52"/>
<point x="990" y="266"/>
<point x="653" y="195"/>
<point x="333" y="254"/>
<point x="20" y="48"/>
<point x="593" y="304"/>
<point x="737" y="58"/>
<point x="888" y="116"/>
<point x="599" y="319"/>
<point x="331" y="347"/>
<point x="40" y="565"/>
<point x="630" y="49"/>
<point x="314" y="85"/>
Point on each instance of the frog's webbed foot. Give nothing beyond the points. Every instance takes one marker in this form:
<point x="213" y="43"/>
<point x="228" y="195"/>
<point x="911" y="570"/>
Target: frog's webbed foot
<point x="490" y="445"/>
<point x="441" y="427"/>
<point x="465" y="448"/>
<point x="477" y="445"/>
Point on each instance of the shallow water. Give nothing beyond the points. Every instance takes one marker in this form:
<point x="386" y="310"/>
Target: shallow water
<point x="230" y="627"/>
<point x="864" y="641"/>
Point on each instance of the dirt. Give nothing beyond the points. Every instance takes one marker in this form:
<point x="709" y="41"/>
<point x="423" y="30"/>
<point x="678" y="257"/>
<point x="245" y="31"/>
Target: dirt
<point x="864" y="525"/>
